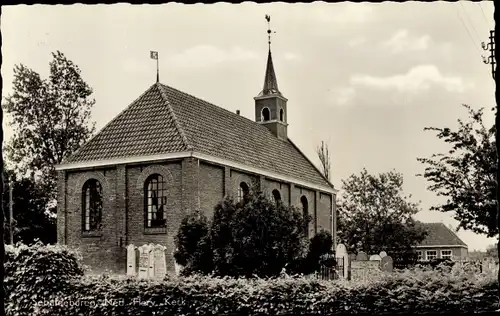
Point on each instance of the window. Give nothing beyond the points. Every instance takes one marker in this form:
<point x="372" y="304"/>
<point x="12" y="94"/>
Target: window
<point x="282" y="115"/>
<point x="92" y="205"/>
<point x="242" y="191"/>
<point x="155" y="200"/>
<point x="446" y="254"/>
<point x="305" y="213"/>
<point x="276" y="196"/>
<point x="431" y="254"/>
<point x="420" y="256"/>
<point x="265" y="114"/>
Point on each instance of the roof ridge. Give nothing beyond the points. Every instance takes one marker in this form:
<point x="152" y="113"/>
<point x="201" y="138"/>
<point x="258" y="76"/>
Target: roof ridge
<point x="454" y="234"/>
<point x="310" y="161"/>
<point x="76" y="152"/>
<point x="174" y="117"/>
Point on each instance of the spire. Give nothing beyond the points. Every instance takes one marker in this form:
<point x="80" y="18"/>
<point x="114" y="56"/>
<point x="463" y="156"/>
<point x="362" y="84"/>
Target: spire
<point x="270" y="83"/>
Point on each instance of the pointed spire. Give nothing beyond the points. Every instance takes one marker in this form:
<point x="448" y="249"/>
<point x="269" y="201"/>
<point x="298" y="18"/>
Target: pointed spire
<point x="270" y="82"/>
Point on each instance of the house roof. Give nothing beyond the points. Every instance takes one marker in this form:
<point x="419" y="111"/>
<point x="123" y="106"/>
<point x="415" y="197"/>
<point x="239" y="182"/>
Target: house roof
<point x="440" y="235"/>
<point x="165" y="120"/>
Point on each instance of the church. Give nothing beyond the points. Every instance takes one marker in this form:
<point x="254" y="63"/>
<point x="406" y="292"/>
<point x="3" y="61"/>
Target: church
<point x="169" y="153"/>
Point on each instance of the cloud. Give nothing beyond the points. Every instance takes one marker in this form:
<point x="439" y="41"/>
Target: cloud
<point x="346" y="13"/>
<point x="207" y="56"/>
<point x="292" y="56"/>
<point x="417" y="79"/>
<point x="343" y="96"/>
<point x="401" y="42"/>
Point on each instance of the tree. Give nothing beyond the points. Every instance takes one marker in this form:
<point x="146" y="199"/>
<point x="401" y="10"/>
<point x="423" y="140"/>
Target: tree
<point x="466" y="174"/>
<point x="31" y="221"/>
<point x="376" y="216"/>
<point x="257" y="237"/>
<point x="50" y="119"/>
<point x="324" y="158"/>
<point x="193" y="243"/>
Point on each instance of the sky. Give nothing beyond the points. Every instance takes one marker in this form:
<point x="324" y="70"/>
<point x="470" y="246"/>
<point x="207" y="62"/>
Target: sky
<point x="365" y="78"/>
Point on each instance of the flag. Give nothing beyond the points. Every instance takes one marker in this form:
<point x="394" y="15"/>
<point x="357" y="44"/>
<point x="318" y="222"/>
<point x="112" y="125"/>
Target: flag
<point x="154" y="55"/>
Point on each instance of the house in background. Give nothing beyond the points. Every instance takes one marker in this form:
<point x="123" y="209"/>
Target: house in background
<point x="441" y="243"/>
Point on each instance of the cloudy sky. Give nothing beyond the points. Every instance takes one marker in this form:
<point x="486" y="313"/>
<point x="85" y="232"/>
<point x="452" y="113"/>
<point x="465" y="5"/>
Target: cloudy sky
<point x="365" y="78"/>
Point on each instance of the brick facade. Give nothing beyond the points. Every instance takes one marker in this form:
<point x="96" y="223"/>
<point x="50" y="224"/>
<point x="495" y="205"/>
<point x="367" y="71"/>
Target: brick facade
<point x="458" y="253"/>
<point x="191" y="184"/>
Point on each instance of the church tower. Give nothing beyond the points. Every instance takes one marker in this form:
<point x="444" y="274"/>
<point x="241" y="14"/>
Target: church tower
<point x="270" y="104"/>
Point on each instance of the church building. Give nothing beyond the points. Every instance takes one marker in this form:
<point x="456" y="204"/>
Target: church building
<point x="169" y="153"/>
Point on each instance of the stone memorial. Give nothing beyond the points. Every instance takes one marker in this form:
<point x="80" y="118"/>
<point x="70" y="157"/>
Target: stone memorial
<point x="362" y="270"/>
<point x="131" y="260"/>
<point x="160" y="262"/>
<point x="383" y="254"/>
<point x="342" y="258"/>
<point x="375" y="258"/>
<point x="145" y="261"/>
<point x="386" y="264"/>
<point x="362" y="256"/>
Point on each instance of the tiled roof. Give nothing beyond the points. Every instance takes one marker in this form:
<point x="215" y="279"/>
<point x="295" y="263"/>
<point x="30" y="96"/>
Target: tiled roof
<point x="166" y="120"/>
<point x="438" y="234"/>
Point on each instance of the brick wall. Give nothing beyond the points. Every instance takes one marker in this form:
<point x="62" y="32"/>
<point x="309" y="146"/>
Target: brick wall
<point x="283" y="188"/>
<point x="298" y="193"/>
<point x="211" y="187"/>
<point x="457" y="252"/>
<point x="324" y="211"/>
<point x="98" y="250"/>
<point x="137" y="233"/>
<point x="236" y="177"/>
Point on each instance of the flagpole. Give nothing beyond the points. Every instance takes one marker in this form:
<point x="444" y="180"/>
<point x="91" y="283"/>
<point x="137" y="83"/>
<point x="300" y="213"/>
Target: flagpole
<point x="157" y="68"/>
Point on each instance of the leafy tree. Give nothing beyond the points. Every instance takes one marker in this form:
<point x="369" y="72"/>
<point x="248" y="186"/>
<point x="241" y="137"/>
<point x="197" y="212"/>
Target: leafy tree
<point x="376" y="216"/>
<point x="466" y="174"/>
<point x="193" y="243"/>
<point x="30" y="220"/>
<point x="50" y="118"/>
<point x="257" y="237"/>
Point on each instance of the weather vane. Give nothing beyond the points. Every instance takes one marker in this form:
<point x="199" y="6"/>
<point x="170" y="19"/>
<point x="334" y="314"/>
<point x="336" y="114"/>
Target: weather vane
<point x="268" y="19"/>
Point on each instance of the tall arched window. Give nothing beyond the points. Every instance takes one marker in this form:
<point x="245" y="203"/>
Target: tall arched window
<point x="155" y="201"/>
<point x="91" y="205"/>
<point x="305" y="213"/>
<point x="282" y="115"/>
<point x="242" y="191"/>
<point x="266" y="114"/>
<point x="276" y="196"/>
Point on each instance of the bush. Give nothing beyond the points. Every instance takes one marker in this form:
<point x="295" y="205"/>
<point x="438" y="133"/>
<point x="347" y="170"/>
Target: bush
<point x="253" y="237"/>
<point x="32" y="272"/>
<point x="416" y="292"/>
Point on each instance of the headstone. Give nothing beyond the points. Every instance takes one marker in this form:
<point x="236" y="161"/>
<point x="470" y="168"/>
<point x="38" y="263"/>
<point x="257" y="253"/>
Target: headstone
<point x="160" y="262"/>
<point x="362" y="270"/>
<point x="383" y="254"/>
<point x="386" y="264"/>
<point x="375" y="258"/>
<point x="131" y="260"/>
<point x="144" y="261"/>
<point x="342" y="257"/>
<point x="352" y="257"/>
<point x="362" y="256"/>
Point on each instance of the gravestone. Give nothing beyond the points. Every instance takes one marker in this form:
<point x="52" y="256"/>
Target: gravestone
<point x="362" y="270"/>
<point x="383" y="254"/>
<point x="144" y="261"/>
<point x="362" y="256"/>
<point x="352" y="256"/>
<point x="131" y="260"/>
<point x="386" y="264"/>
<point x="341" y="253"/>
<point x="375" y="258"/>
<point x="160" y="262"/>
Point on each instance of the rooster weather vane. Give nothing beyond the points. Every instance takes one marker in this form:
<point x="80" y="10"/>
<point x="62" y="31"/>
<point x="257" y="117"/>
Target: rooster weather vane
<point x="268" y="19"/>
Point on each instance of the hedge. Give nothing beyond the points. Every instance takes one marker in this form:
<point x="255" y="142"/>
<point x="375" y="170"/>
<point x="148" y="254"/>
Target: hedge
<point x="67" y="292"/>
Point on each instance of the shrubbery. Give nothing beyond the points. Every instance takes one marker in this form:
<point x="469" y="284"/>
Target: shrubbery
<point x="254" y="237"/>
<point x="52" y="277"/>
<point x="32" y="272"/>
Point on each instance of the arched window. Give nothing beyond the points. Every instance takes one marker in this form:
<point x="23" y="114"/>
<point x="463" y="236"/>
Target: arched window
<point x="91" y="205"/>
<point x="305" y="213"/>
<point x="265" y="114"/>
<point x="242" y="191"/>
<point x="276" y="196"/>
<point x="282" y="115"/>
<point x="155" y="201"/>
